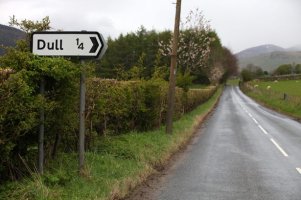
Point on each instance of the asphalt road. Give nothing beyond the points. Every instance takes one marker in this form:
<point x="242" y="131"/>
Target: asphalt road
<point x="244" y="151"/>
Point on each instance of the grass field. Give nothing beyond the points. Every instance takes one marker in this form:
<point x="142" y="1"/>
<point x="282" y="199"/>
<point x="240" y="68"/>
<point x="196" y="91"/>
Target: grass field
<point x="233" y="82"/>
<point x="290" y="87"/>
<point x="272" y="94"/>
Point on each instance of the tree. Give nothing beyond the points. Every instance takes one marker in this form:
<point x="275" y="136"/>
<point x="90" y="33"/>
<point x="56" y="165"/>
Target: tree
<point x="283" y="69"/>
<point x="229" y="61"/>
<point x="246" y="75"/>
<point x="298" y="69"/>
<point x="126" y="50"/>
<point x="137" y="71"/>
<point x="251" y="72"/>
<point x="194" y="44"/>
<point x="201" y="52"/>
<point x="184" y="80"/>
<point x="161" y="71"/>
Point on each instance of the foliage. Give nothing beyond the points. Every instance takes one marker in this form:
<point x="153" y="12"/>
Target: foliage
<point x="251" y="72"/>
<point x="116" y="107"/>
<point x="298" y="69"/>
<point x="117" y="164"/>
<point x="284" y="69"/>
<point x="21" y="102"/>
<point x="194" y="44"/>
<point x="29" y="26"/>
<point x="184" y="80"/>
<point x="146" y="54"/>
<point x="200" y="51"/>
<point x="139" y="49"/>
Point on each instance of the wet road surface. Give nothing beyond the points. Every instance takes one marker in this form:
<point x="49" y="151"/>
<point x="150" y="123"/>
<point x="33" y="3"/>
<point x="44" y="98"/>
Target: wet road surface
<point x="244" y="151"/>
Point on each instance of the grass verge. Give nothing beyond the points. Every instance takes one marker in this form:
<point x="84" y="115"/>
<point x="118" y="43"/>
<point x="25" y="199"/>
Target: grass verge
<point x="114" y="167"/>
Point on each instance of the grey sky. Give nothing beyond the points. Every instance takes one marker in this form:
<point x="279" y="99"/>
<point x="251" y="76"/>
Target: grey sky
<point x="239" y="23"/>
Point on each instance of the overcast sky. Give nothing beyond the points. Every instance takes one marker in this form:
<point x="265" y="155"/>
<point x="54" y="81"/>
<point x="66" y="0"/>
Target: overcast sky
<point x="239" y="23"/>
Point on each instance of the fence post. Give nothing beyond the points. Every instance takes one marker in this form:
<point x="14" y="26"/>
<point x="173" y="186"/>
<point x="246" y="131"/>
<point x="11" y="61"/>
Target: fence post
<point x="284" y="96"/>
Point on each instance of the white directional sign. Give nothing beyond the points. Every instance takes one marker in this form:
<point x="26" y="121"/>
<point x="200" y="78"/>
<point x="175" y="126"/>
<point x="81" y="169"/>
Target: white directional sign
<point x="68" y="44"/>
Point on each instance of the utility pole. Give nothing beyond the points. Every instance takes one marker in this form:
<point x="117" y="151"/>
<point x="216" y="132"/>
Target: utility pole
<point x="173" y="68"/>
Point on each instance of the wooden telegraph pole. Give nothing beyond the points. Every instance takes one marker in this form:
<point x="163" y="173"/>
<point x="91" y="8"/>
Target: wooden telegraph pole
<point x="173" y="69"/>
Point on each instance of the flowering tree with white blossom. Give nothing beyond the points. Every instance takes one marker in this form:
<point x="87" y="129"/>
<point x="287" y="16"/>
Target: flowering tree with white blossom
<point x="194" y="44"/>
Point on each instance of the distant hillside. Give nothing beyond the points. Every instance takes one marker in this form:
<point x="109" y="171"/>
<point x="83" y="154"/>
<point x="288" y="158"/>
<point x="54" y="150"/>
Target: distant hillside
<point x="269" y="57"/>
<point x="9" y="36"/>
<point x="294" y="48"/>
<point x="255" y="51"/>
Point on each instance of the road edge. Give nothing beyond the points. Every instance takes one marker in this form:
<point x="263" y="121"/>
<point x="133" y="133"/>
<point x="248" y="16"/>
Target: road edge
<point x="150" y="182"/>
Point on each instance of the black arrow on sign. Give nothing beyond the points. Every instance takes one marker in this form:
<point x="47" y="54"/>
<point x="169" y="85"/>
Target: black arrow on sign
<point x="95" y="45"/>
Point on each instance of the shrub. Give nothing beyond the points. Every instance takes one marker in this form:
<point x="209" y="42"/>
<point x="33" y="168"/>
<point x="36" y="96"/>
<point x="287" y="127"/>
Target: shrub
<point x="115" y="107"/>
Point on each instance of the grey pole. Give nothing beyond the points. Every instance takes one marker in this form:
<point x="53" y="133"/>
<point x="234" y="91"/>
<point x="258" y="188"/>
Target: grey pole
<point x="41" y="131"/>
<point x="81" y="141"/>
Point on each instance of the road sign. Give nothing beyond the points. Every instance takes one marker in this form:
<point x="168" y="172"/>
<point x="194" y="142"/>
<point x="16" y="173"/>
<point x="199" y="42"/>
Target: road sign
<point x="68" y="44"/>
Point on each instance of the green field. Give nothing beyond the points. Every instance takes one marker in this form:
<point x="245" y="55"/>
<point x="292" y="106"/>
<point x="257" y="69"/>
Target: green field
<point x="233" y="82"/>
<point x="290" y="87"/>
<point x="272" y="95"/>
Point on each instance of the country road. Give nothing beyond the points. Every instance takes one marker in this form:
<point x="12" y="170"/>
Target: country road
<point x="244" y="151"/>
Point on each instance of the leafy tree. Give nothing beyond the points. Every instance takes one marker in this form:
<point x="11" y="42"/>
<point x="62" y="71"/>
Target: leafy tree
<point x="127" y="50"/>
<point x="201" y="52"/>
<point x="184" y="80"/>
<point x="298" y="69"/>
<point x="283" y="69"/>
<point x="194" y="44"/>
<point x="161" y="71"/>
<point x="251" y="72"/>
<point x="137" y="71"/>
<point x="246" y="75"/>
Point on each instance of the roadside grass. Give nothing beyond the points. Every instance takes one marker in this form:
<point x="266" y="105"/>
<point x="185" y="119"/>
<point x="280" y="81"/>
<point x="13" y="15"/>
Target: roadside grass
<point x="274" y="97"/>
<point x="114" y="167"/>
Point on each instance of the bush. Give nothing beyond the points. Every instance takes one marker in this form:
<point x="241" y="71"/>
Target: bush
<point x="115" y="107"/>
<point x="20" y="103"/>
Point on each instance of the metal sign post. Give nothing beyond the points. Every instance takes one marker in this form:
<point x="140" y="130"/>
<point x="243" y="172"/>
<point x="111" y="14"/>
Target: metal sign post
<point x="81" y="138"/>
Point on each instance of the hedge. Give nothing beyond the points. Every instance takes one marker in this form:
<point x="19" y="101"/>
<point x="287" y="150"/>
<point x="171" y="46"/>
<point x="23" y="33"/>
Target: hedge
<point x="112" y="107"/>
<point x="115" y="107"/>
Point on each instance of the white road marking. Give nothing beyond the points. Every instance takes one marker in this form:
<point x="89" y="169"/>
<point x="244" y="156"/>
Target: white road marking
<point x="262" y="129"/>
<point x="299" y="170"/>
<point x="256" y="122"/>
<point x="279" y="147"/>
<point x="265" y="132"/>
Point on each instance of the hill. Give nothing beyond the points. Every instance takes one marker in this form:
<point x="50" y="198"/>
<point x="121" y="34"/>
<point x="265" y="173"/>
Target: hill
<point x="9" y="36"/>
<point x="269" y="57"/>
<point x="255" y="51"/>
